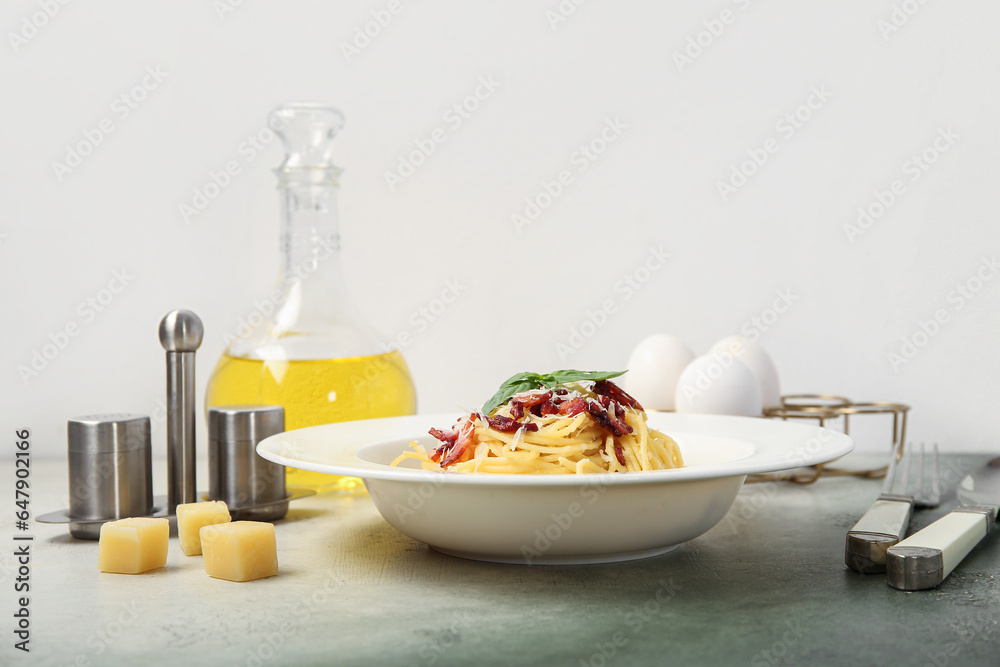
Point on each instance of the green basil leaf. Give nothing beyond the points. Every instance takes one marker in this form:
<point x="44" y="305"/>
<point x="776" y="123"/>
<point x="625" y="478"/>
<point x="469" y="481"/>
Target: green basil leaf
<point x="515" y="384"/>
<point x="562" y="377"/>
<point x="548" y="380"/>
<point x="527" y="381"/>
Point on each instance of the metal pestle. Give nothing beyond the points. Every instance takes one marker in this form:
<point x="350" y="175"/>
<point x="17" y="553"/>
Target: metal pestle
<point x="181" y="332"/>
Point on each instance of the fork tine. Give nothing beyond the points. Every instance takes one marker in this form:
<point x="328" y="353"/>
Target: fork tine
<point x="904" y="482"/>
<point x="936" y="478"/>
<point x="926" y="490"/>
<point x="921" y="492"/>
<point x="889" y="485"/>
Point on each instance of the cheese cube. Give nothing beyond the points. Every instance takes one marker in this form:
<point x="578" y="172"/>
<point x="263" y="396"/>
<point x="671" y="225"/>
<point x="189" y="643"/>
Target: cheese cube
<point x="192" y="517"/>
<point x="131" y="546"/>
<point x="239" y="551"/>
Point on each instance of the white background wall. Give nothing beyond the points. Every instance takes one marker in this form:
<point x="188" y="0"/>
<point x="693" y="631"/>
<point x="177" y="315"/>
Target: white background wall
<point x="890" y="94"/>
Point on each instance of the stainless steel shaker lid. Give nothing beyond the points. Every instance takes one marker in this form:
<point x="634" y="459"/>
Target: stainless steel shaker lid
<point x="228" y="423"/>
<point x="104" y="433"/>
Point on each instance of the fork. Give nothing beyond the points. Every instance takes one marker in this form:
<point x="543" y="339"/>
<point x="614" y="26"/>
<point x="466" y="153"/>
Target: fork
<point x="925" y="489"/>
<point x="885" y="523"/>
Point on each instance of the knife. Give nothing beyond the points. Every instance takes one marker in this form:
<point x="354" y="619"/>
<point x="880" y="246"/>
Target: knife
<point x="927" y="557"/>
<point x="883" y="525"/>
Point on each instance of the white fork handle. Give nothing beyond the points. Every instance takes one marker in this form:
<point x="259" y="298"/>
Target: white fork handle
<point x="882" y="526"/>
<point x="926" y="558"/>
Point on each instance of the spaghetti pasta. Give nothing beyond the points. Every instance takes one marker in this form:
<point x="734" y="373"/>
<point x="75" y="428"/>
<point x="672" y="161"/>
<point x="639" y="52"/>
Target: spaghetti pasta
<point x="571" y="428"/>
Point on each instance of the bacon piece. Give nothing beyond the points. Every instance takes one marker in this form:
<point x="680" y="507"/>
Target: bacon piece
<point x="454" y="443"/>
<point x="603" y="419"/>
<point x="572" y="407"/>
<point x="529" y="399"/>
<point x="616" y="393"/>
<point x="508" y="425"/>
<point x="543" y="409"/>
<point x="620" y="421"/>
<point x="613" y="424"/>
<point x="620" y="454"/>
<point x="533" y="397"/>
<point x="466" y="436"/>
<point x="447" y="437"/>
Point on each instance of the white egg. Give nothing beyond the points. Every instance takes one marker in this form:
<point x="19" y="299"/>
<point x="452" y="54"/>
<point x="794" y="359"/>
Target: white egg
<point x="758" y="361"/>
<point x="717" y="383"/>
<point x="653" y="369"/>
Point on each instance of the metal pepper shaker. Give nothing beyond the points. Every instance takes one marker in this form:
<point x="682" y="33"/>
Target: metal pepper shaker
<point x="181" y="332"/>
<point x="252" y="486"/>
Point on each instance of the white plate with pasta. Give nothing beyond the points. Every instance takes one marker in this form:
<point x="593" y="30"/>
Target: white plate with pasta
<point x="645" y="508"/>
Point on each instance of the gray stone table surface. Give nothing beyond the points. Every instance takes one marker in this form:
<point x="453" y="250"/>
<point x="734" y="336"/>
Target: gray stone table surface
<point x="766" y="586"/>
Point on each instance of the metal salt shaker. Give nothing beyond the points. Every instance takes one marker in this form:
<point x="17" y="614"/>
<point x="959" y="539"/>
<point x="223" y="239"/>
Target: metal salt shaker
<point x="110" y="470"/>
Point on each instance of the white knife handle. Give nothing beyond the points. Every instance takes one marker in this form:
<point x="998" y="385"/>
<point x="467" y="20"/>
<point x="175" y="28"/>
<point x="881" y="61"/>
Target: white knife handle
<point x="882" y="526"/>
<point x="924" y="559"/>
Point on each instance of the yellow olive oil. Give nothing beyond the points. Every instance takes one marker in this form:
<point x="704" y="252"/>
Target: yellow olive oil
<point x="317" y="392"/>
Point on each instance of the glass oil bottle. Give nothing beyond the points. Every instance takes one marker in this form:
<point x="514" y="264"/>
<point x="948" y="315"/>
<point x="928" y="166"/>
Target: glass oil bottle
<point x="315" y="356"/>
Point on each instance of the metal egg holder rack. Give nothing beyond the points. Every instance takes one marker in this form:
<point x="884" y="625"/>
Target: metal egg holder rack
<point x="825" y="408"/>
<point x="110" y="455"/>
